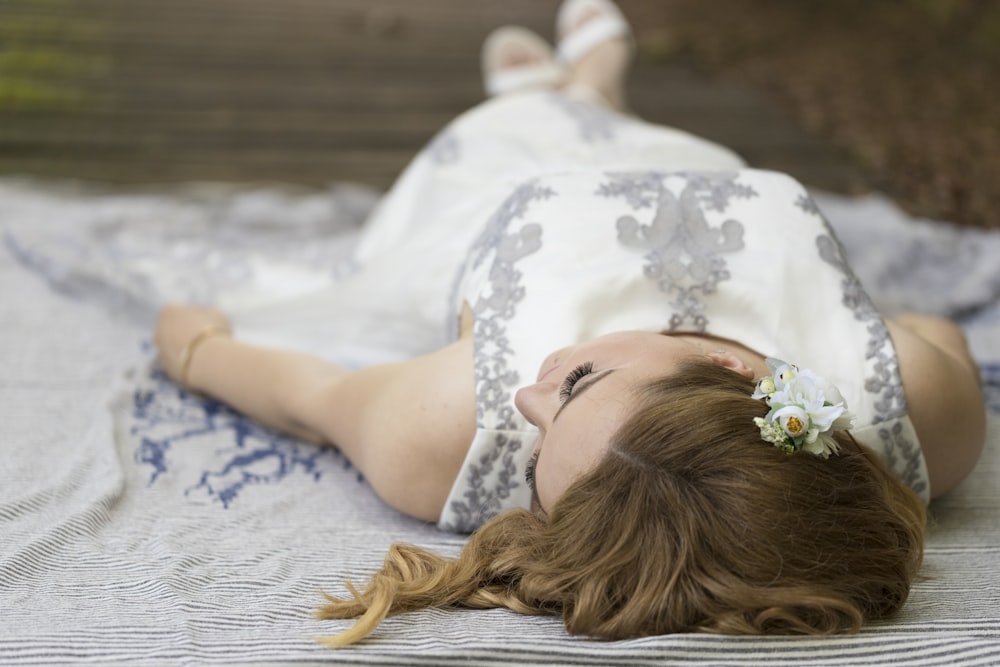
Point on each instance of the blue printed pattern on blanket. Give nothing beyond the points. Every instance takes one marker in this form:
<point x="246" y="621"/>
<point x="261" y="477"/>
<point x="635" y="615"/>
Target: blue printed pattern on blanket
<point x="990" y="374"/>
<point x="180" y="434"/>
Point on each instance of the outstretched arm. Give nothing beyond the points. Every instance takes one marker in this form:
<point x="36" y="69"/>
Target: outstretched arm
<point x="406" y="426"/>
<point x="943" y="390"/>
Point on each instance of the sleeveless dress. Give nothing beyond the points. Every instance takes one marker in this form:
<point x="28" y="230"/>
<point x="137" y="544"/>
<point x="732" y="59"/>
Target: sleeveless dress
<point x="556" y="221"/>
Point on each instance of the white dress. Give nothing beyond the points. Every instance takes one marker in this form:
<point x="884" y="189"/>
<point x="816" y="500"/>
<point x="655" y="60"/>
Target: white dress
<point x="557" y="221"/>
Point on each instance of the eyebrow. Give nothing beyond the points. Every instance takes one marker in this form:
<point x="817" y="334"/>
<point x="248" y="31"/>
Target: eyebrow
<point x="582" y="386"/>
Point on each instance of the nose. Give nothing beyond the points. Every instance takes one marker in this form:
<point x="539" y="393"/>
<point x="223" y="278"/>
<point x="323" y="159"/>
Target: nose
<point x="534" y="402"/>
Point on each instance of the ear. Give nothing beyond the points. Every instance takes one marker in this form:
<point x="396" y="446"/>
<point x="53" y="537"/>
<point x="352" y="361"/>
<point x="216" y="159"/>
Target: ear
<point x="732" y="362"/>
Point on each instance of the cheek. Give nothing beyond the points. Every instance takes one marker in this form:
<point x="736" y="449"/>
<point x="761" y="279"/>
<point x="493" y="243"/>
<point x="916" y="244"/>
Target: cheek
<point x="549" y="479"/>
<point x="565" y="454"/>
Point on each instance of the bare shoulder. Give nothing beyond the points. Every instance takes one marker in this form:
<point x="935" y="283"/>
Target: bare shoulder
<point x="942" y="387"/>
<point x="407" y="426"/>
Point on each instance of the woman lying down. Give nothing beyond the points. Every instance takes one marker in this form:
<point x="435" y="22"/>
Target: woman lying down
<point x="662" y="402"/>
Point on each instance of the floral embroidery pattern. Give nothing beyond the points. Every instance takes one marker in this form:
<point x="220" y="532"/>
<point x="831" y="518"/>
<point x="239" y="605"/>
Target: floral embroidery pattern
<point x="901" y="455"/>
<point x="490" y="480"/>
<point x="683" y="250"/>
<point x="884" y="381"/>
<point x="167" y="419"/>
<point x="807" y="204"/>
<point x="884" y="378"/>
<point x="990" y="374"/>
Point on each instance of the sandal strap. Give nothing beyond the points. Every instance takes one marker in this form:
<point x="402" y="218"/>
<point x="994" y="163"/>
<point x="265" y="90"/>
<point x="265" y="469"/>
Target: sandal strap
<point x="541" y="72"/>
<point x="609" y="23"/>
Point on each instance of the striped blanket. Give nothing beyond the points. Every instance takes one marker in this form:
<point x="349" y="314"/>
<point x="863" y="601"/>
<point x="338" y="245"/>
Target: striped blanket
<point x="142" y="525"/>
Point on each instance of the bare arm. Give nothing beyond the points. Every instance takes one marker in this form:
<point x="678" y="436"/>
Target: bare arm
<point x="942" y="388"/>
<point x="406" y="426"/>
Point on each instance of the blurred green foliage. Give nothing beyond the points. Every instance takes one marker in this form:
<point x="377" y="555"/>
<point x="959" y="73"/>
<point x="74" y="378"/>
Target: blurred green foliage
<point x="937" y="10"/>
<point x="48" y="55"/>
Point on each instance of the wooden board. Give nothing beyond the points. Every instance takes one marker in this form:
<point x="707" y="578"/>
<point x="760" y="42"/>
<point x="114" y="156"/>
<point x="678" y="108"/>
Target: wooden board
<point x="310" y="91"/>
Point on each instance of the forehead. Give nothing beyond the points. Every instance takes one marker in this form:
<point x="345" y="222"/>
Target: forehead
<point x="643" y="344"/>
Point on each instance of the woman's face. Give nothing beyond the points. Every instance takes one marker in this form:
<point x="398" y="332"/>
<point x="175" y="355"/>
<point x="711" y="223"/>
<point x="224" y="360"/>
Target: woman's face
<point x="584" y="393"/>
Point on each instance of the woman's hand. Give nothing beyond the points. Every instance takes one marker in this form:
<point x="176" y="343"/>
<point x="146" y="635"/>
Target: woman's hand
<point x="177" y="328"/>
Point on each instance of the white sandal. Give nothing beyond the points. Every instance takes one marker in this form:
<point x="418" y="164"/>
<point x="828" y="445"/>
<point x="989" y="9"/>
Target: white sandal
<point x="538" y="70"/>
<point x="575" y="40"/>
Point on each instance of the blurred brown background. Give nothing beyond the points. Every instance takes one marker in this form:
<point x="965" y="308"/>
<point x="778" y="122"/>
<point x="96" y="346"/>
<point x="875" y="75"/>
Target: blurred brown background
<point x="847" y="95"/>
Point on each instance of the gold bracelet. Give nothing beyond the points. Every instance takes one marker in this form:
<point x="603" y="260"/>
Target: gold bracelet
<point x="187" y="352"/>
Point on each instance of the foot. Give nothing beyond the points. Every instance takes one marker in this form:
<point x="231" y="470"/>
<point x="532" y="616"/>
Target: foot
<point x="516" y="59"/>
<point x="596" y="45"/>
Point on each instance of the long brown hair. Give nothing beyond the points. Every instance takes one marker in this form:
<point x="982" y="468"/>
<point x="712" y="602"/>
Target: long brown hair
<point x="689" y="523"/>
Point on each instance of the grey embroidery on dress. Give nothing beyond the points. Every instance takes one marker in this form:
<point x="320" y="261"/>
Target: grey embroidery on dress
<point x="444" y="148"/>
<point x="990" y="374"/>
<point x="639" y="190"/>
<point x="883" y="379"/>
<point x="594" y="123"/>
<point x="715" y="190"/>
<point x="902" y="456"/>
<point x="489" y="481"/>
<point x="684" y="251"/>
<point x="807" y="204"/>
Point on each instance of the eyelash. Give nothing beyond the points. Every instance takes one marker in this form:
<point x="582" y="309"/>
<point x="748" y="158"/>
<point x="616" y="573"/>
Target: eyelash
<point x="577" y="374"/>
<point x="529" y="472"/>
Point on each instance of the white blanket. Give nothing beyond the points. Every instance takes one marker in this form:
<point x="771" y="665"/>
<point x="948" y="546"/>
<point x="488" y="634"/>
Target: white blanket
<point x="141" y="525"/>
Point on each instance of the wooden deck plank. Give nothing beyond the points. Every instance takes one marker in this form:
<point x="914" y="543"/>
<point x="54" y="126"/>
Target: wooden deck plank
<point x="307" y="91"/>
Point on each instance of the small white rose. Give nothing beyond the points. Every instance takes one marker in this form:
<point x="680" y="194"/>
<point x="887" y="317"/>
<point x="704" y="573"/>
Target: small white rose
<point x="782" y="372"/>
<point x="774" y="364"/>
<point x="805" y="410"/>
<point x="765" y="387"/>
<point x="794" y="420"/>
<point x="826" y="416"/>
<point x="830" y="391"/>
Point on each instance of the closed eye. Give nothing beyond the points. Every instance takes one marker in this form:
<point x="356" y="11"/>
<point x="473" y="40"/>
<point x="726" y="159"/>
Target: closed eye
<point x="577" y="374"/>
<point x="581" y="386"/>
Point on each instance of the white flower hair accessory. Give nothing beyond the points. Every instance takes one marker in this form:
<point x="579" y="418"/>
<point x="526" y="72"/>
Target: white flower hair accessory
<point x="805" y="410"/>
